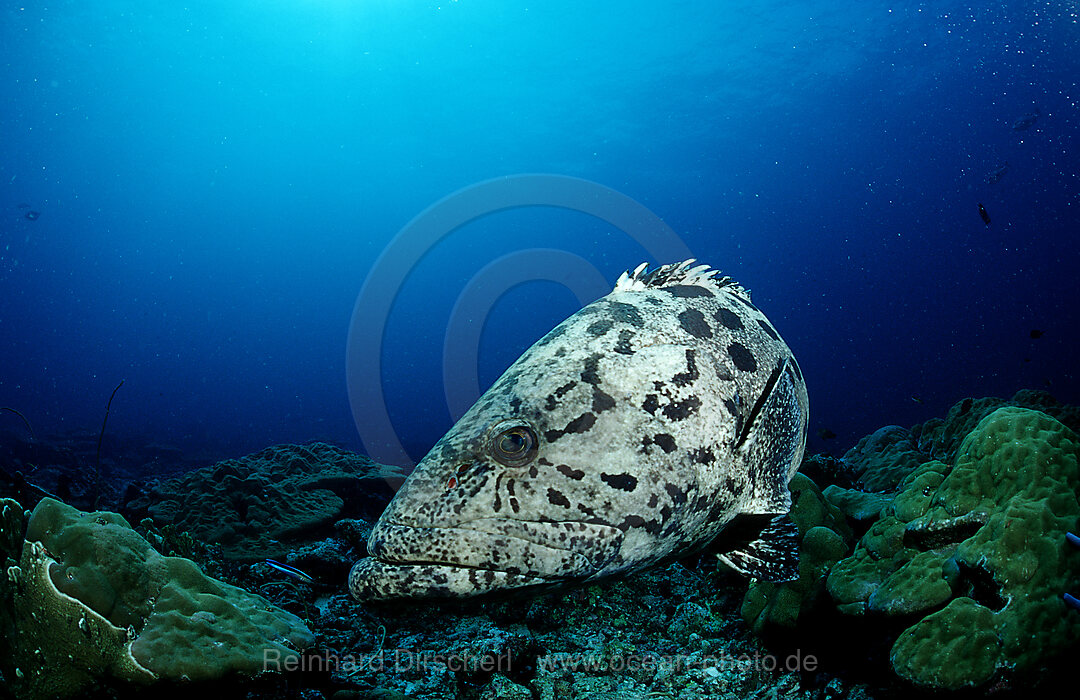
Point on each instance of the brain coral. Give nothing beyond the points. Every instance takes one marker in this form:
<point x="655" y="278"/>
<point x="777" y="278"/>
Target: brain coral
<point x="94" y="601"/>
<point x="976" y="551"/>
<point x="264" y="504"/>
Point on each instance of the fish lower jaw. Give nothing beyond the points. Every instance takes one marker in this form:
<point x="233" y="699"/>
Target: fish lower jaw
<point x="372" y="579"/>
<point x="479" y="556"/>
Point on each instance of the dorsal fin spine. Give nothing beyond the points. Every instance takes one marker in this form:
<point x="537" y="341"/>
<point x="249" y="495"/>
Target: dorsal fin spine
<point x="677" y="274"/>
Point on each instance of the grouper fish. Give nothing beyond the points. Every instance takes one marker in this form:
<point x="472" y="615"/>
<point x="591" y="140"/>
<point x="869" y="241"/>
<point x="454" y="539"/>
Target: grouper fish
<point x="635" y="431"/>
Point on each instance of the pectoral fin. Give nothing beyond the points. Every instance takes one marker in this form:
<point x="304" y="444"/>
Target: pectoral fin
<point x="773" y="556"/>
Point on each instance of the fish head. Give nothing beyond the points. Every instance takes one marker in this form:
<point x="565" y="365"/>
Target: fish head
<point x="516" y="493"/>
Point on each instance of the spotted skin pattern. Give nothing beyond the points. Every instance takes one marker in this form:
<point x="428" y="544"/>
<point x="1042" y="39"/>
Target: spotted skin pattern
<point x="660" y="412"/>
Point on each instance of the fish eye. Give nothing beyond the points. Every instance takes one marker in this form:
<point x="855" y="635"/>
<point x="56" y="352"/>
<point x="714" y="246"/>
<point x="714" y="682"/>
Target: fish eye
<point x="514" y="446"/>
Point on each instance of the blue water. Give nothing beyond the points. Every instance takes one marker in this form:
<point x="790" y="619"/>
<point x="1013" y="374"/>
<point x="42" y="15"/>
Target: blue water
<point x="216" y="181"/>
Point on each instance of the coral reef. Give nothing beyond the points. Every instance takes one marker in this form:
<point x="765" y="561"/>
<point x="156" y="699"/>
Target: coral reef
<point x="883" y="458"/>
<point x="93" y="602"/>
<point x="825" y="538"/>
<point x="977" y="549"/>
<point x="940" y="438"/>
<point x="267" y="503"/>
<point x="961" y="559"/>
<point x="936" y="556"/>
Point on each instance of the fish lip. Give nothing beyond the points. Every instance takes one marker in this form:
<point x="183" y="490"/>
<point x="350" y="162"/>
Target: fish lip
<point x="566" y="556"/>
<point x="371" y="579"/>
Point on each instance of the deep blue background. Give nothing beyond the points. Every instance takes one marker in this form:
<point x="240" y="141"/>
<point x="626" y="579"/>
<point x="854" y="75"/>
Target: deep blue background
<point x="215" y="181"/>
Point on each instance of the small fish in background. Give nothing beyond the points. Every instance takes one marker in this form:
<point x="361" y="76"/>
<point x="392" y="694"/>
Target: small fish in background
<point x="984" y="214"/>
<point x="32" y="215"/>
<point x="290" y="571"/>
<point x="1035" y="334"/>
<point x="994" y="176"/>
<point x="1026" y="122"/>
<point x="826" y="434"/>
<point x="916" y="399"/>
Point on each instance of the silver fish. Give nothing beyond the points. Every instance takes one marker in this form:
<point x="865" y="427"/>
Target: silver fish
<point x="633" y="432"/>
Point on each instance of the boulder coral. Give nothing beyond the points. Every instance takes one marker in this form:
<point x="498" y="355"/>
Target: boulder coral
<point x="883" y="458"/>
<point x="974" y="554"/>
<point x="94" y="603"/>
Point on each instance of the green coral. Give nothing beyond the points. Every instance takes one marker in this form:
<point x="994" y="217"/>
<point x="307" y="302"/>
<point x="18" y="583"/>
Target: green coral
<point x="883" y="458"/>
<point x="856" y="504"/>
<point x="978" y="549"/>
<point x="824" y="538"/>
<point x="852" y="581"/>
<point x="942" y="437"/>
<point x="95" y="601"/>
<point x="955" y="647"/>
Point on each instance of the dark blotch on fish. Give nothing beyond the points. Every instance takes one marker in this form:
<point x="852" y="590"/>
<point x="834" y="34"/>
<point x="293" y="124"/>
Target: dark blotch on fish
<point x="694" y="323"/>
<point x="556" y="498"/>
<point x="591" y="373"/>
<point x="662" y="440"/>
<point x="621" y="311"/>
<point x="730" y="320"/>
<point x="769" y="330"/>
<point x="600" y="327"/>
<point x="623" y="482"/>
<point x="678" y="410"/>
<point x="743" y="358"/>
<point x="703" y="455"/>
<point x="691" y="373"/>
<point x="570" y="472"/>
<point x="601" y="402"/>
<point x="578" y="425"/>
<point x="687" y="291"/>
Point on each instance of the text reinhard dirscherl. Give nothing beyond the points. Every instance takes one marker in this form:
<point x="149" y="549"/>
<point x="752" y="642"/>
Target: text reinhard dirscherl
<point x="405" y="660"/>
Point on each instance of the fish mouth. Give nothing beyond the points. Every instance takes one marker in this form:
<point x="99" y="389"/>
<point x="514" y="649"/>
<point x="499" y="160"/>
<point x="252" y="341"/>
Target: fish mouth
<point x="479" y="556"/>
